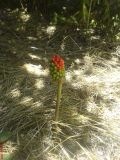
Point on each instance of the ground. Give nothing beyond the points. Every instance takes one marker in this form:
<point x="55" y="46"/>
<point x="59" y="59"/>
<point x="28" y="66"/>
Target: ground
<point x="90" y="104"/>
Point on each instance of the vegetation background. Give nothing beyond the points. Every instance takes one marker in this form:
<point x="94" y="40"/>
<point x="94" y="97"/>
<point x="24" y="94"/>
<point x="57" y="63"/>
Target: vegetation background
<point x="86" y="33"/>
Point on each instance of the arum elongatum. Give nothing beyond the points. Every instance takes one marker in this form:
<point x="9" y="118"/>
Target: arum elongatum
<point x="57" y="72"/>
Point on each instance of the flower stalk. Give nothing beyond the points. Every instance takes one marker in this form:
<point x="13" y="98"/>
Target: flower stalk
<point x="58" y="100"/>
<point x="57" y="72"/>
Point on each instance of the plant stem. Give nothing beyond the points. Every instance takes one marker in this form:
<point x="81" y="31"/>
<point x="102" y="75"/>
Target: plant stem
<point x="58" y="100"/>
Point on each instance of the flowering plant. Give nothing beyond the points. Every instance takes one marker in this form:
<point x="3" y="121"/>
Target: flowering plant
<point x="57" y="72"/>
<point x="57" y="69"/>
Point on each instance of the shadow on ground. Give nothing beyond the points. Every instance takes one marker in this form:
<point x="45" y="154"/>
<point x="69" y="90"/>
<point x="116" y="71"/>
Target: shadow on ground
<point x="27" y="97"/>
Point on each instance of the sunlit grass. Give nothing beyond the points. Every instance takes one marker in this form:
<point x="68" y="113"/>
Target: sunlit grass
<point x="89" y="114"/>
<point x="34" y="56"/>
<point x="90" y="108"/>
<point x="50" y="30"/>
<point x="15" y="93"/>
<point x="36" y="70"/>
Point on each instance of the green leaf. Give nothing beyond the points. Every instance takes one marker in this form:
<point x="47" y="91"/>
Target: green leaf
<point x="4" y="136"/>
<point x="85" y="12"/>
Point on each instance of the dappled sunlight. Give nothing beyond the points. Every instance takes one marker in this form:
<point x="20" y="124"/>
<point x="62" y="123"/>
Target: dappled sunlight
<point x="24" y="16"/>
<point x="75" y="78"/>
<point x="107" y="84"/>
<point x="34" y="48"/>
<point x="77" y="61"/>
<point x="34" y="56"/>
<point x="52" y="156"/>
<point x="114" y="62"/>
<point x="15" y="93"/>
<point x="50" y="30"/>
<point x="103" y="84"/>
<point x="32" y="38"/>
<point x="26" y="101"/>
<point x="105" y="78"/>
<point x="36" y="70"/>
<point x="68" y="76"/>
<point x="117" y="53"/>
<point x="39" y="83"/>
<point x="82" y="118"/>
<point x="9" y="149"/>
<point x="92" y="107"/>
<point x="77" y="72"/>
<point x="37" y="104"/>
<point x="111" y="77"/>
<point x="113" y="113"/>
<point x="100" y="75"/>
<point x="89" y="116"/>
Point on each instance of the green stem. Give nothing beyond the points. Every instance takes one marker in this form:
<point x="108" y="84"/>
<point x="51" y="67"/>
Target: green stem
<point x="58" y="100"/>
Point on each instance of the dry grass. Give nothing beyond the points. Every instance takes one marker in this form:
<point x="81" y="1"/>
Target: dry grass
<point x="89" y="113"/>
<point x="89" y="119"/>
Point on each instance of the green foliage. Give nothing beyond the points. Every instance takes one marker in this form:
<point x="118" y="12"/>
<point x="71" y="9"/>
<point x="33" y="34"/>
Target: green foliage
<point x="102" y="15"/>
<point x="4" y="136"/>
